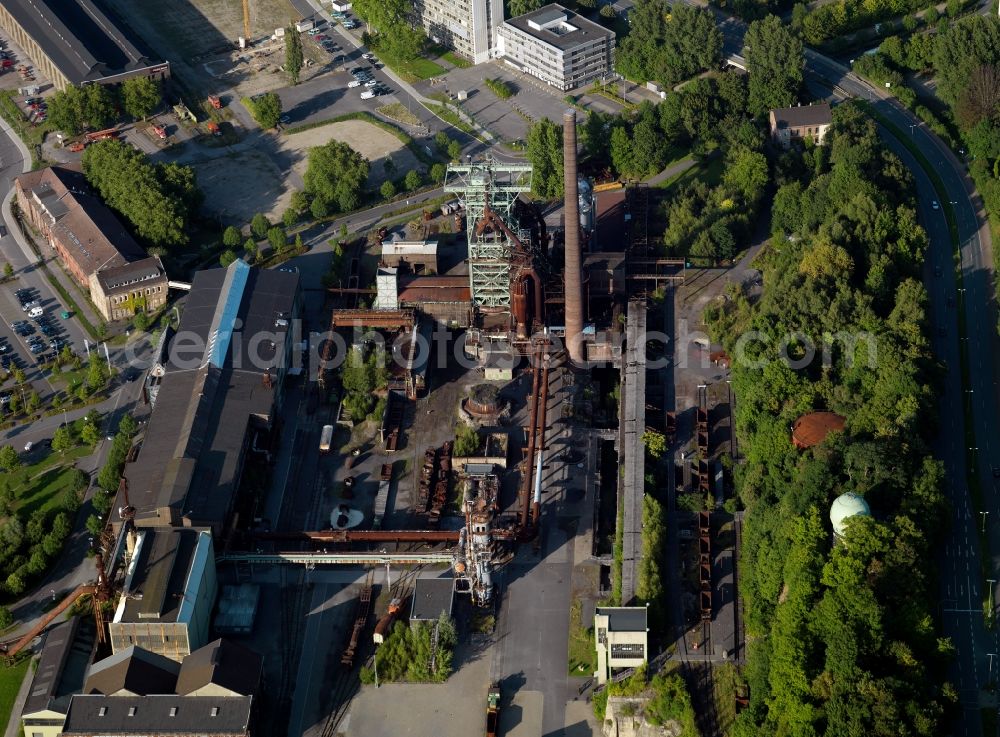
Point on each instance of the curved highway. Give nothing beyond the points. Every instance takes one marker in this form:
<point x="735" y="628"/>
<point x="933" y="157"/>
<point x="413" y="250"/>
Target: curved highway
<point x="960" y="286"/>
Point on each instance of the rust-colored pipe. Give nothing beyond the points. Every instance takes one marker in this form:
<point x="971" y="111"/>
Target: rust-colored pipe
<point x="572" y="270"/>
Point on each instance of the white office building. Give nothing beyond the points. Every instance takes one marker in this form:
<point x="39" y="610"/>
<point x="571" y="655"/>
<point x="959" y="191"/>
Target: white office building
<point x="467" y="26"/>
<point x="558" y="46"/>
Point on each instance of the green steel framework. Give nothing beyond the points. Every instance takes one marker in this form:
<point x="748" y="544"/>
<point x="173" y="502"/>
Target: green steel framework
<point x="497" y="184"/>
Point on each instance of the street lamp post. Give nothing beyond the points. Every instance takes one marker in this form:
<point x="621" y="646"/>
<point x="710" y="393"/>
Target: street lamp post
<point x="984" y="522"/>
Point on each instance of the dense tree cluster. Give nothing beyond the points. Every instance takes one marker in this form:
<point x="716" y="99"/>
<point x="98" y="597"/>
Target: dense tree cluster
<point x="842" y="636"/>
<point x="335" y="176"/>
<point x="97" y="106"/>
<point x="396" y="32"/>
<point x="775" y="63"/>
<point x="406" y="653"/>
<point x="364" y="371"/>
<point x="545" y="152"/>
<point x="837" y="18"/>
<point x="157" y="199"/>
<point x="668" y="44"/>
<point x="32" y="535"/>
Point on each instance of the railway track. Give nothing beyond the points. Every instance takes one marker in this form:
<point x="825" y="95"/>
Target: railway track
<point x="292" y="616"/>
<point x="346" y="681"/>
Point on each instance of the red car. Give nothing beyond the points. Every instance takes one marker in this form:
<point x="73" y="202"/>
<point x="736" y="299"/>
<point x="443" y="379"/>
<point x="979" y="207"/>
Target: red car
<point x="320" y="37"/>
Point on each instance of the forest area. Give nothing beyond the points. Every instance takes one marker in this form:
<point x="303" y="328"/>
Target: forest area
<point x="841" y="636"/>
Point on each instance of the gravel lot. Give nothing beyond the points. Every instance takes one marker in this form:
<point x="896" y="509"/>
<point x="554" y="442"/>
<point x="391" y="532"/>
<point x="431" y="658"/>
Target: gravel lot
<point x="372" y="142"/>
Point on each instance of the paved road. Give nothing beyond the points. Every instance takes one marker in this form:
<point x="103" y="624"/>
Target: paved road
<point x="962" y="588"/>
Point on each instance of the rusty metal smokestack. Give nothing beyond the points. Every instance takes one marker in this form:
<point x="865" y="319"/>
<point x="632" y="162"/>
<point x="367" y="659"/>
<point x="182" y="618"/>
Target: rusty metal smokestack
<point x="573" y="288"/>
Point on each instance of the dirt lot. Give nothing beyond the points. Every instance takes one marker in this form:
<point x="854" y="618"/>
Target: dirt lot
<point x="196" y="37"/>
<point x="240" y="185"/>
<point x="237" y="185"/>
<point x="371" y="142"/>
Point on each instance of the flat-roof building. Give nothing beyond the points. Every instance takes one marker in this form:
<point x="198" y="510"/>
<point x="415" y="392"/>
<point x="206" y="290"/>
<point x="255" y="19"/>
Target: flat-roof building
<point x="168" y="595"/>
<point x="75" y="42"/>
<point x="162" y="715"/>
<point x="91" y="242"/>
<point x="558" y="46"/>
<point x="220" y="385"/>
<point x="467" y="26"/>
<point x="66" y="652"/>
<point x="622" y="635"/>
<point x="431" y="598"/>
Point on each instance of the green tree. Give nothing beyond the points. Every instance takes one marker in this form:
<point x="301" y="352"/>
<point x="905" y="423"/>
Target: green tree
<point x="544" y="150"/>
<point x="412" y="180"/>
<point x="250" y="248"/>
<point x="6" y="618"/>
<point x="277" y="238"/>
<point x="94" y="526"/>
<point x="746" y="174"/>
<point x="655" y="442"/>
<point x="388" y="189"/>
<point x="437" y="173"/>
<point x="318" y="208"/>
<point x="227" y="257"/>
<point x="15" y="584"/>
<point x="146" y="194"/>
<point x="141" y="96"/>
<point x="33" y="401"/>
<point x="90" y="434"/>
<point x="99" y="105"/>
<point x="298" y="243"/>
<point x="293" y="54"/>
<point x="336" y="175"/>
<point x="97" y="374"/>
<point x="454" y="150"/>
<point x="259" y="225"/>
<point x="669" y="51"/>
<point x="775" y="62"/>
<point x="231" y="237"/>
<point x="520" y="7"/>
<point x="66" y="110"/>
<point x="622" y="152"/>
<point x="127" y="426"/>
<point x="265" y="109"/>
<point x="62" y="439"/>
<point x="289" y="217"/>
<point x="9" y="459"/>
<point x="466" y="440"/>
<point x="8" y="270"/>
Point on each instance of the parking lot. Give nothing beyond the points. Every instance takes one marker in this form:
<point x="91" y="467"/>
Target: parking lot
<point x="533" y="97"/>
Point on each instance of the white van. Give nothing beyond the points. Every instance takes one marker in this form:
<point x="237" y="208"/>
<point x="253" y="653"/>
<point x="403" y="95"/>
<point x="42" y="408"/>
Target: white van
<point x="36" y="312"/>
<point x="367" y="95"/>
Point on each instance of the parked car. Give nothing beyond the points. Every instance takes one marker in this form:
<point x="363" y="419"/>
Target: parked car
<point x="367" y="95"/>
<point x="370" y="82"/>
<point x="354" y="83"/>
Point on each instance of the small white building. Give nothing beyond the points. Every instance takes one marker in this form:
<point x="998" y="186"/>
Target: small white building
<point x="557" y="46"/>
<point x="340" y="7"/>
<point x="621" y="637"/>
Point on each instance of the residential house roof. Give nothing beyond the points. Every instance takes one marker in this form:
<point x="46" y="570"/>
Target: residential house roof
<point x="794" y="117"/>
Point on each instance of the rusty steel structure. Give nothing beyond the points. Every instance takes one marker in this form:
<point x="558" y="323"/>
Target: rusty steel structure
<point x="705" y="565"/>
<point x="361" y="615"/>
<point x="572" y="274"/>
<point x="703" y="448"/>
<point x="531" y="475"/>
<point x="383" y="319"/>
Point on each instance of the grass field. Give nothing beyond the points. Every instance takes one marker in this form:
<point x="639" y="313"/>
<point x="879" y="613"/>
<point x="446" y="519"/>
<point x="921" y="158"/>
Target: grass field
<point x="709" y="171"/>
<point x="455" y="60"/>
<point x="412" y="70"/>
<point x="397" y="111"/>
<point x="10" y="683"/>
<point x="581" y="644"/>
<point x="40" y="485"/>
<point x="727" y="682"/>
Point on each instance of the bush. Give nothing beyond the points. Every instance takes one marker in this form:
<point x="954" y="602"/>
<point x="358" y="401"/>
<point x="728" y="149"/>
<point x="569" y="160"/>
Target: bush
<point x="466" y="440"/>
<point x="227" y="257"/>
<point x="499" y="88"/>
<point x="388" y="189"/>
